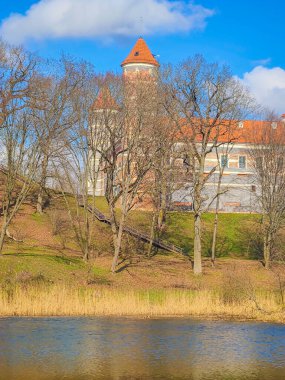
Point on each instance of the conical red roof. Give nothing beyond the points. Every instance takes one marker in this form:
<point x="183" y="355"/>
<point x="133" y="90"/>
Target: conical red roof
<point x="140" y="54"/>
<point x="105" y="100"/>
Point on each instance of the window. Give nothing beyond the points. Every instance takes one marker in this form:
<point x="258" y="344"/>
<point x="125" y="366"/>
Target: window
<point x="253" y="188"/>
<point x="240" y="124"/>
<point x="137" y="53"/>
<point x="242" y="162"/>
<point x="274" y="125"/>
<point x="224" y="161"/>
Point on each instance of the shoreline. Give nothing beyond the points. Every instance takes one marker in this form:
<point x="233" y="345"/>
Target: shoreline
<point x="107" y="302"/>
<point x="205" y="318"/>
<point x="223" y="294"/>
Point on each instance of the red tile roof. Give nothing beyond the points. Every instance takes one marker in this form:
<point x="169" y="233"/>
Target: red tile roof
<point x="251" y="131"/>
<point x="105" y="100"/>
<point x="140" y="53"/>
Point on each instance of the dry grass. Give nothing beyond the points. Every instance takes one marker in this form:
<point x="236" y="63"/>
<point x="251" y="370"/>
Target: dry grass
<point x="54" y="300"/>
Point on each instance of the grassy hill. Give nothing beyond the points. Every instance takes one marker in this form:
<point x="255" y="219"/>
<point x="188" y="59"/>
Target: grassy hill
<point x="52" y="230"/>
<point x="46" y="265"/>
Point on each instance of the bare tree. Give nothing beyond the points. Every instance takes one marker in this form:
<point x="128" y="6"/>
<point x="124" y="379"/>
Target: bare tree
<point x="77" y="168"/>
<point x="19" y="167"/>
<point x="205" y="102"/>
<point x="222" y="151"/>
<point x="53" y="114"/>
<point x="17" y="68"/>
<point x="165" y="177"/>
<point x="128" y="149"/>
<point x="18" y="143"/>
<point x="267" y="160"/>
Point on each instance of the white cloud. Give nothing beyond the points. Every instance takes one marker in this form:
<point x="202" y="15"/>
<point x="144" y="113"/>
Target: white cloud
<point x="102" y="18"/>
<point x="261" y="62"/>
<point x="268" y="86"/>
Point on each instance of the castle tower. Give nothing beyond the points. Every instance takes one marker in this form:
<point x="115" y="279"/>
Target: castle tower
<point x="140" y="60"/>
<point x="140" y="72"/>
<point x="103" y="109"/>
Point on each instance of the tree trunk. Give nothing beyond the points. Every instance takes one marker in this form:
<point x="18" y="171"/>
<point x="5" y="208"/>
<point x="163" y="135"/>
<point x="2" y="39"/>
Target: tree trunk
<point x="154" y="225"/>
<point x="197" y="268"/>
<point x="3" y="232"/>
<point x="114" y="226"/>
<point x="40" y="201"/>
<point x="267" y="240"/>
<point x="42" y="185"/>
<point x="161" y="219"/>
<point x="86" y="253"/>
<point x="117" y="237"/>
<point x="163" y="206"/>
<point x="118" y="244"/>
<point x="87" y="233"/>
<point x="197" y="245"/>
<point x="215" y="231"/>
<point x="214" y="241"/>
<point x="120" y="231"/>
<point x="267" y="244"/>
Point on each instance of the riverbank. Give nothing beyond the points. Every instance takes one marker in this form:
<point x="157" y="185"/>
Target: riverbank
<point x="43" y="283"/>
<point x="62" y="300"/>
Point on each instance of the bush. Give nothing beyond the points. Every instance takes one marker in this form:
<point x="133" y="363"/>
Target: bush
<point x="235" y="286"/>
<point x="60" y="225"/>
<point x="223" y="244"/>
<point x="251" y="239"/>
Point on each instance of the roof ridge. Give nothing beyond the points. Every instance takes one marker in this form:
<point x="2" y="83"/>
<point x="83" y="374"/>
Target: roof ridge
<point x="105" y="100"/>
<point x="140" y="53"/>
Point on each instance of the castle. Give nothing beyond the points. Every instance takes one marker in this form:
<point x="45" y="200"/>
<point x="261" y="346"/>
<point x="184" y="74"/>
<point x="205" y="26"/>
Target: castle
<point x="238" y="186"/>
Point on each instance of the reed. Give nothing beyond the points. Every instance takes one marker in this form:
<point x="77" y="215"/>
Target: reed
<point x="58" y="300"/>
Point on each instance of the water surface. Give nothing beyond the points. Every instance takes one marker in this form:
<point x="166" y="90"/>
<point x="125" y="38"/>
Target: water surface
<point x="118" y="348"/>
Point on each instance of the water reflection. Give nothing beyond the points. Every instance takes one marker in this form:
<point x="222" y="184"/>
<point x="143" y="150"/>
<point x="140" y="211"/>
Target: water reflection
<point x="114" y="348"/>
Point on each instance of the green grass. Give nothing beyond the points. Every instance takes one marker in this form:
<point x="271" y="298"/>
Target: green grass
<point x="99" y="271"/>
<point x="99" y="276"/>
<point x="180" y="230"/>
<point x="153" y="296"/>
<point x="100" y="203"/>
<point x="36" y="262"/>
<point x="39" y="218"/>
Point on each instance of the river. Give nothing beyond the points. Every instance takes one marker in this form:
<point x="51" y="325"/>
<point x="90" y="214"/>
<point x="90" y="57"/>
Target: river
<point x="127" y="348"/>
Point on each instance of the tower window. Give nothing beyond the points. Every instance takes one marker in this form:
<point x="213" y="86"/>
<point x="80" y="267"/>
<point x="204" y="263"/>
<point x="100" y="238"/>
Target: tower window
<point x="137" y="53"/>
<point x="242" y="162"/>
<point x="224" y="161"/>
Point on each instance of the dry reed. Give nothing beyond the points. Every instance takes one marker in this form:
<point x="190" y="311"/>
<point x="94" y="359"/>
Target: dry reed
<point x="58" y="300"/>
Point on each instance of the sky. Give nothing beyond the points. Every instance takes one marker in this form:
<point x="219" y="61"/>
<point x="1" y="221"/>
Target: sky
<point x="247" y="35"/>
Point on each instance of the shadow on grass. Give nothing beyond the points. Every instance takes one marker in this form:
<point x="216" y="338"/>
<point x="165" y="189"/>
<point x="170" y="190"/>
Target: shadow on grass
<point x="129" y="264"/>
<point x="99" y="281"/>
<point x="55" y="258"/>
<point x="124" y="267"/>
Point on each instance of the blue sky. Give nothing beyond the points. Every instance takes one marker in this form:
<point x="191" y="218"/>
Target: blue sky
<point x="248" y="35"/>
